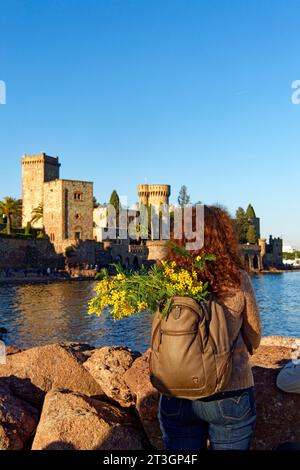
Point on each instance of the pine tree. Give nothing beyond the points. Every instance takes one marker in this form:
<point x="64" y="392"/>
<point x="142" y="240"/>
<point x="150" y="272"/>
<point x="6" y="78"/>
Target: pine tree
<point x="241" y="225"/>
<point x="183" y="198"/>
<point x="96" y="204"/>
<point x="250" y="213"/>
<point x="115" y="202"/>
<point x="251" y="235"/>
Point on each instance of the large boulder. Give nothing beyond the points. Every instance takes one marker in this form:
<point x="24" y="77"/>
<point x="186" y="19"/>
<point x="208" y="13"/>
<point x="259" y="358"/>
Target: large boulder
<point x="32" y="373"/>
<point x="108" y="366"/>
<point x="275" y="409"/>
<point x="146" y="396"/>
<point x="73" y="421"/>
<point x="286" y="341"/>
<point x="278" y="413"/>
<point x="82" y="351"/>
<point x="18" y="421"/>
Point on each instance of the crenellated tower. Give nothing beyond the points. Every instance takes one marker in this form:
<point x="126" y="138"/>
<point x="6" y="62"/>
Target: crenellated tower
<point x="36" y="170"/>
<point x="154" y="194"/>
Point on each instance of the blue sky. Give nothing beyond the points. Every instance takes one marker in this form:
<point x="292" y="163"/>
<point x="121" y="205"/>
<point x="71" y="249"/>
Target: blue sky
<point x="164" y="91"/>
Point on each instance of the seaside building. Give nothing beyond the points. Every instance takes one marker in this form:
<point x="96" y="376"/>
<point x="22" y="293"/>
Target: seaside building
<point x="286" y="248"/>
<point x="67" y="205"/>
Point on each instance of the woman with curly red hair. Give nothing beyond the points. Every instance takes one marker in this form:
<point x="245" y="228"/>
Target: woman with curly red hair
<point x="226" y="419"/>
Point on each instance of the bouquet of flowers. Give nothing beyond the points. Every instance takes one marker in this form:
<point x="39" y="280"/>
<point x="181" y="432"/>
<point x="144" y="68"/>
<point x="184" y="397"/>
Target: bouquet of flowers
<point x="128" y="293"/>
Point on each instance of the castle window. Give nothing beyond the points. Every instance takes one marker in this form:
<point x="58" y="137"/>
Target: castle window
<point x="77" y="216"/>
<point x="52" y="237"/>
<point x="78" y="196"/>
<point x="77" y="235"/>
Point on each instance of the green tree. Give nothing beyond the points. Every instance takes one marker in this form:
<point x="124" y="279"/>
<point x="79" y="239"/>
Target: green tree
<point x="183" y="197"/>
<point x="294" y="255"/>
<point x="16" y="219"/>
<point x="10" y="209"/>
<point x="96" y="204"/>
<point x="28" y="229"/>
<point x="250" y="213"/>
<point x="37" y="214"/>
<point x="241" y="225"/>
<point x="251" y="235"/>
<point x="115" y="202"/>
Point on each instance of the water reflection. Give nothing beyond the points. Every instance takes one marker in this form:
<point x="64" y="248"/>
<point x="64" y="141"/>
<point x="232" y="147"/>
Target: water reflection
<point x="278" y="296"/>
<point x="40" y="314"/>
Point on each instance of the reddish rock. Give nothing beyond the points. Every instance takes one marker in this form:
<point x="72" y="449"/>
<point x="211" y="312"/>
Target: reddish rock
<point x="276" y="410"/>
<point x="278" y="413"/>
<point x="18" y="421"/>
<point x="74" y="421"/>
<point x="12" y="350"/>
<point x="286" y="341"/>
<point x="82" y="351"/>
<point x="108" y="366"/>
<point x="138" y="380"/>
<point x="32" y="373"/>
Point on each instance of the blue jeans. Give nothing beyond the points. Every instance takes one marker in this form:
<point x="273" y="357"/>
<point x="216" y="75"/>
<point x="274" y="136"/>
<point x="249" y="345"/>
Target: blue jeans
<point x="227" y="419"/>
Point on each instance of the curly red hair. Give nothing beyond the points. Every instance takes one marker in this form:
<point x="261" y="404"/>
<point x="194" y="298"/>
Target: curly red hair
<point x="220" y="239"/>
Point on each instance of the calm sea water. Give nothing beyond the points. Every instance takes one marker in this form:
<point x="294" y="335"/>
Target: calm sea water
<point x="40" y="314"/>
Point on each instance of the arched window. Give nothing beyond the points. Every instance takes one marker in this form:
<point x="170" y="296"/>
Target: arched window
<point x="78" y="196"/>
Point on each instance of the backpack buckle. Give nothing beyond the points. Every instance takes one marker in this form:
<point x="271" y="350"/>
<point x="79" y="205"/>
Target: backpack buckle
<point x="177" y="312"/>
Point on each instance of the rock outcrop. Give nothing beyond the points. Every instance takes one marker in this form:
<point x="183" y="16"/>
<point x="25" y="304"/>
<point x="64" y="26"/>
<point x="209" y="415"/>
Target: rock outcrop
<point x="108" y="366"/>
<point x="18" y="421"/>
<point x="31" y="373"/>
<point x="103" y="398"/>
<point x="278" y="413"/>
<point x="73" y="421"/>
<point x="146" y="398"/>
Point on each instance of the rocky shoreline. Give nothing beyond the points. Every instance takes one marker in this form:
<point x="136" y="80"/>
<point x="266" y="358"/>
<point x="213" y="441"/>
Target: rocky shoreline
<point x="72" y="396"/>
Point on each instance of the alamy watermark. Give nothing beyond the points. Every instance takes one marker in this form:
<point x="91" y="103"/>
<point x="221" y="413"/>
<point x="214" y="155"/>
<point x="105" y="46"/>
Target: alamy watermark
<point x="295" y="97"/>
<point x="2" y="92"/>
<point x="155" y="222"/>
<point x="2" y="353"/>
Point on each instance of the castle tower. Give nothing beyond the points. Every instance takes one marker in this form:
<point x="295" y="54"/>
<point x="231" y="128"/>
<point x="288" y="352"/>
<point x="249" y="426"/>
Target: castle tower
<point x="262" y="245"/>
<point x="36" y="170"/>
<point x="154" y="194"/>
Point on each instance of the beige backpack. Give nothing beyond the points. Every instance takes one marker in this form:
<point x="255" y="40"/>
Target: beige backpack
<point x="191" y="352"/>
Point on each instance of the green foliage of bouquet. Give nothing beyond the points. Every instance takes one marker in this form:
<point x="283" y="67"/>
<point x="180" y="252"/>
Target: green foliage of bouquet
<point x="128" y="293"/>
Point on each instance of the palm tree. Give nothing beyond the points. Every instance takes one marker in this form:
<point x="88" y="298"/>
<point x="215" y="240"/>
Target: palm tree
<point x="37" y="214"/>
<point x="10" y="208"/>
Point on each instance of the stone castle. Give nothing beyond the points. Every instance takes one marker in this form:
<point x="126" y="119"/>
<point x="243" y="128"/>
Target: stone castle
<point x="67" y="205"/>
<point x="68" y="215"/>
<point x="263" y="254"/>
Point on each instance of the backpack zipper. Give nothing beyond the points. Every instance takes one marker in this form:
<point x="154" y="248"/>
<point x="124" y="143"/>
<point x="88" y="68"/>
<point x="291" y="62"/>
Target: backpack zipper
<point x="178" y="333"/>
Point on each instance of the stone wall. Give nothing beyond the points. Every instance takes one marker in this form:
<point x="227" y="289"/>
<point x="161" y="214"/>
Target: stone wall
<point x="18" y="254"/>
<point x="157" y="250"/>
<point x="87" y="252"/>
